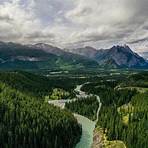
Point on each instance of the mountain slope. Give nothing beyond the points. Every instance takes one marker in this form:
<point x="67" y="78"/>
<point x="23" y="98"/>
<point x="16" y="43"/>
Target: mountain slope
<point x="87" y="51"/>
<point x="48" y="48"/>
<point x="65" y="54"/>
<point x="16" y="56"/>
<point x="117" y="56"/>
<point x="123" y="56"/>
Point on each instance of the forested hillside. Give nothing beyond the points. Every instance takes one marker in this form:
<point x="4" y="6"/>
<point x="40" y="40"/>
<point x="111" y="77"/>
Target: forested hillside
<point x="86" y="107"/>
<point x="27" y="122"/>
<point x="136" y="80"/>
<point x="37" y="85"/>
<point x="123" y="115"/>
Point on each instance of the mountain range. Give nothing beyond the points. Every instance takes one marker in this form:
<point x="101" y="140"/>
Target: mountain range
<point x="17" y="56"/>
<point x="117" y="56"/>
<point x="44" y="56"/>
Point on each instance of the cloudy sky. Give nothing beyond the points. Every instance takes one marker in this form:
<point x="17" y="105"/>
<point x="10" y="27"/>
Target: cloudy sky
<point x="76" y="23"/>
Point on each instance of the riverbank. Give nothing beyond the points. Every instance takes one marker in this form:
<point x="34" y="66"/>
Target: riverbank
<point x="88" y="125"/>
<point x="88" y="131"/>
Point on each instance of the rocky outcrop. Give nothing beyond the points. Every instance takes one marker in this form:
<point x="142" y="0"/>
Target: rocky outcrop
<point x="97" y="139"/>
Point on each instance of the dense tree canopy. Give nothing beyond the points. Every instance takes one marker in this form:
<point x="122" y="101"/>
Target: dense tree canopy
<point x="26" y="122"/>
<point x="85" y="106"/>
<point x="124" y="113"/>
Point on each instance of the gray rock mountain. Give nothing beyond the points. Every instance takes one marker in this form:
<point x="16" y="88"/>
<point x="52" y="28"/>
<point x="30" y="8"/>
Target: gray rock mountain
<point x="117" y="56"/>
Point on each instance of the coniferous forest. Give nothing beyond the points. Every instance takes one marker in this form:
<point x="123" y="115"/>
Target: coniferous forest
<point x="28" y="122"/>
<point x="124" y="113"/>
<point x="86" y="107"/>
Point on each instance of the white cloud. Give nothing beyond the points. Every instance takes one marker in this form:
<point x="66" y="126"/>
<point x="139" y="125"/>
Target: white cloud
<point x="68" y="23"/>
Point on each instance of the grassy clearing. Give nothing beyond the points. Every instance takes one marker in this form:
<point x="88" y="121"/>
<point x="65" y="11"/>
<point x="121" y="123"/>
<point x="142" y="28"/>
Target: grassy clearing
<point x="125" y="111"/>
<point x="106" y="143"/>
<point x="126" y="108"/>
<point x="115" y="144"/>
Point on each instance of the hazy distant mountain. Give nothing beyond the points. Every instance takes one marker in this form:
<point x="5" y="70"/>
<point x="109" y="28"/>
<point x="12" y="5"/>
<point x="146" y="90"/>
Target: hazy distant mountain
<point x="117" y="56"/>
<point x="87" y="51"/>
<point x="48" y="48"/>
<point x="16" y="56"/>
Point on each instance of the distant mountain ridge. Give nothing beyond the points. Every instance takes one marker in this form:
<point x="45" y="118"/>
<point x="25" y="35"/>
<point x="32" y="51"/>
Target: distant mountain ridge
<point x="44" y="56"/>
<point x="48" y="48"/>
<point x="117" y="57"/>
<point x="17" y="56"/>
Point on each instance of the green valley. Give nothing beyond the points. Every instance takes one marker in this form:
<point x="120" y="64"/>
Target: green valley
<point x="27" y="118"/>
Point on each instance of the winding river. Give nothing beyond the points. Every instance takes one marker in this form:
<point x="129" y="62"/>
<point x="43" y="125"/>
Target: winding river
<point x="88" y="126"/>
